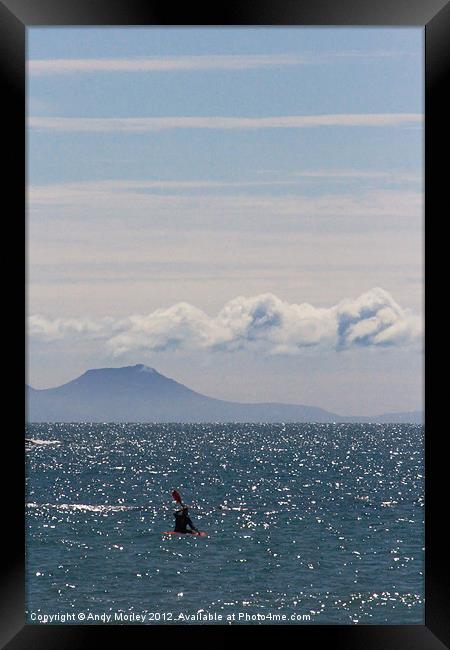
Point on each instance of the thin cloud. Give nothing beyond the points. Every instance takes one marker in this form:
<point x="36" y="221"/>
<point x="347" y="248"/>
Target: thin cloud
<point x="85" y="191"/>
<point x="349" y="174"/>
<point x="150" y="124"/>
<point x="138" y="199"/>
<point x="194" y="63"/>
<point x="163" y="64"/>
<point x="264" y="324"/>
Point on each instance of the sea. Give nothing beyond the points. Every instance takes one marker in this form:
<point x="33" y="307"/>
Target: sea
<point x="306" y="524"/>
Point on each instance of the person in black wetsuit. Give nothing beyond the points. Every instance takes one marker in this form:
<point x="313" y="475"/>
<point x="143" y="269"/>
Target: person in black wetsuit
<point x="182" y="520"/>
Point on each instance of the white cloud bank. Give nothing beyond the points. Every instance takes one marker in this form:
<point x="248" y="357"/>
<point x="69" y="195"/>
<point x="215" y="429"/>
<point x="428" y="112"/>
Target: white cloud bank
<point x="264" y="324"/>
<point x="148" y="124"/>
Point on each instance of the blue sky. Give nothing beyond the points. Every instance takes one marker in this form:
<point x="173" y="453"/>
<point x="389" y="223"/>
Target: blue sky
<point x="198" y="166"/>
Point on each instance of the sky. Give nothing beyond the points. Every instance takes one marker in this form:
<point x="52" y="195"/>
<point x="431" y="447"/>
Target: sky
<point x="241" y="209"/>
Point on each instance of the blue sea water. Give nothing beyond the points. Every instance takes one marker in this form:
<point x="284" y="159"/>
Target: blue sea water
<point x="320" y="523"/>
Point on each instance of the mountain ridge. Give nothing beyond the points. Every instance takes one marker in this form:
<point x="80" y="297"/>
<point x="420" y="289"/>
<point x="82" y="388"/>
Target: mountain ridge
<point x="139" y="393"/>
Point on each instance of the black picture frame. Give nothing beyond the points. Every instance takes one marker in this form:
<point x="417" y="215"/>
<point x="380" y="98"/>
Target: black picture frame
<point x="15" y="17"/>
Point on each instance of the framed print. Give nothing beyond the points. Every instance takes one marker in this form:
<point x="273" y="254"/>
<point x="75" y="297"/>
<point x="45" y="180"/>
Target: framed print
<point x="227" y="424"/>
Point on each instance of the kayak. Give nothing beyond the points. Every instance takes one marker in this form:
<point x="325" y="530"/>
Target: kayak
<point x="173" y="532"/>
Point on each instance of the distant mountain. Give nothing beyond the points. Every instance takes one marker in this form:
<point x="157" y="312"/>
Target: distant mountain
<point x="141" y="394"/>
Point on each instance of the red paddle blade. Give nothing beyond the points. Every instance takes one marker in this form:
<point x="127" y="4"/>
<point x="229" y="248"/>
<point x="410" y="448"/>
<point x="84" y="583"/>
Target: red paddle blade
<point x="176" y="496"/>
